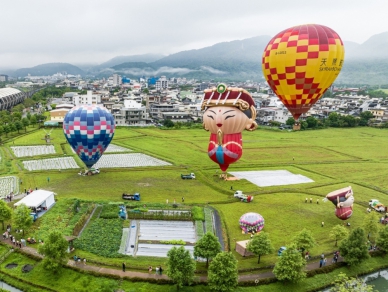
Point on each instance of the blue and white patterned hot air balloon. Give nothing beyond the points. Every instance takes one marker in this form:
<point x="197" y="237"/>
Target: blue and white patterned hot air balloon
<point x="89" y="130"/>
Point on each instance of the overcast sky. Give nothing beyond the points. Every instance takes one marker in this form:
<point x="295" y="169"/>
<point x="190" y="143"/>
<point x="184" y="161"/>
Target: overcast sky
<point x="33" y="32"/>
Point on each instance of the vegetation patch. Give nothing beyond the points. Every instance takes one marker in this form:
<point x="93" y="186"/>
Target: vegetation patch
<point x="102" y="237"/>
<point x="197" y="213"/>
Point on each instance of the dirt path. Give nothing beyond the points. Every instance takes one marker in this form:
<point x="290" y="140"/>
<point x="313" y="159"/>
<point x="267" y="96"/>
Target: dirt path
<point x="131" y="274"/>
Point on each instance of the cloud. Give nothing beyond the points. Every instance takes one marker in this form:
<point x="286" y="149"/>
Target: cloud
<point x="152" y="72"/>
<point x="212" y="70"/>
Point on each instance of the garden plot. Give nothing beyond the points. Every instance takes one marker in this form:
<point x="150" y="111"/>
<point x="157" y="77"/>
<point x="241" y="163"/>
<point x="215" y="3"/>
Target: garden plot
<point x="52" y="163"/>
<point x="128" y="160"/>
<point x="9" y="184"/>
<point x="155" y="230"/>
<point x="112" y="149"/>
<point x="22" y="151"/>
<point x="272" y="177"/>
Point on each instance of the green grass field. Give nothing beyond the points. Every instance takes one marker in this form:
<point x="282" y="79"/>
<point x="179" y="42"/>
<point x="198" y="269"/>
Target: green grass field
<point x="333" y="158"/>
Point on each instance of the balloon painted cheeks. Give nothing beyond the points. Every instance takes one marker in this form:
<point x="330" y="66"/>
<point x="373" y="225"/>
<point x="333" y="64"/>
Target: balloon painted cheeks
<point x="227" y="119"/>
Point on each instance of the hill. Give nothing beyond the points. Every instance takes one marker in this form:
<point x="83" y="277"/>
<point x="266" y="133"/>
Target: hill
<point x="147" y="58"/>
<point x="48" y="69"/>
<point x="241" y="60"/>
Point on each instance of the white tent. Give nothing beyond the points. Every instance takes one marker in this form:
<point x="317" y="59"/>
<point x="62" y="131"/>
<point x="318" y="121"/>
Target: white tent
<point x="38" y="198"/>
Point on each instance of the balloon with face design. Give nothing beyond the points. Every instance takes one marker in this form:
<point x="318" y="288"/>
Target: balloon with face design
<point x="343" y="200"/>
<point x="228" y="111"/>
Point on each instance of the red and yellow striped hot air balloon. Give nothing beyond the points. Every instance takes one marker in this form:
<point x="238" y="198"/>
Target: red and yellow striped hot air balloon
<point x="300" y="63"/>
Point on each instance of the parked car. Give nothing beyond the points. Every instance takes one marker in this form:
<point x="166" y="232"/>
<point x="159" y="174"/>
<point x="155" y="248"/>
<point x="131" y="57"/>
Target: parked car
<point x="188" y="176"/>
<point x="134" y="197"/>
<point x="376" y="205"/>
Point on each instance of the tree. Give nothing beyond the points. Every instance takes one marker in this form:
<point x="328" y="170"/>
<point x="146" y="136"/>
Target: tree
<point x="344" y="284"/>
<point x="55" y="251"/>
<point x="290" y="266"/>
<point x="1" y="130"/>
<point x="22" y="218"/>
<point x="338" y="232"/>
<point x="5" y="212"/>
<point x="304" y="240"/>
<point x="371" y="224"/>
<point x="168" y="123"/>
<point x="7" y="129"/>
<point x="290" y="121"/>
<point x="260" y="245"/>
<point x="12" y="127"/>
<point x="25" y="123"/>
<point x="207" y="247"/>
<point x="382" y="240"/>
<point x="18" y="126"/>
<point x="33" y="120"/>
<point x="353" y="248"/>
<point x="311" y="122"/>
<point x="180" y="266"/>
<point x="223" y="274"/>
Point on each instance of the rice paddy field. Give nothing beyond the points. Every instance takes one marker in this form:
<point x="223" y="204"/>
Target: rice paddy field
<point x="332" y="158"/>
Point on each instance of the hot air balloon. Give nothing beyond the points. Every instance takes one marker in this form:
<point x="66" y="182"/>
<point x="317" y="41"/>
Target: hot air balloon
<point x="228" y="111"/>
<point x="89" y="130"/>
<point x="343" y="201"/>
<point x="251" y="222"/>
<point x="300" y="64"/>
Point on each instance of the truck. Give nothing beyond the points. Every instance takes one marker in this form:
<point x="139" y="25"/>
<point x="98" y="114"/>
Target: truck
<point x="376" y="205"/>
<point x="244" y="198"/>
<point x="134" y="197"/>
<point x="188" y="176"/>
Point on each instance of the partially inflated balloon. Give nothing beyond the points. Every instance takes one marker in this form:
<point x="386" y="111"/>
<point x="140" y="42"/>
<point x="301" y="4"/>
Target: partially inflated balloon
<point x="343" y="200"/>
<point x="89" y="130"/>
<point x="300" y="63"/>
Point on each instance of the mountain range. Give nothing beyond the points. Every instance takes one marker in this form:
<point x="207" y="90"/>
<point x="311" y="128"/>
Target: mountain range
<point x="365" y="63"/>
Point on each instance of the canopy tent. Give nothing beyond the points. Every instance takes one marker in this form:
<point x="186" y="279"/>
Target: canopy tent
<point x="38" y="198"/>
<point x="241" y="248"/>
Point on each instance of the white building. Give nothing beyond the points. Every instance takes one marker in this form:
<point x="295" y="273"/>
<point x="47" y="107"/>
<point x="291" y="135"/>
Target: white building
<point x="161" y="83"/>
<point x="88" y="98"/>
<point x="116" y="80"/>
<point x="131" y="113"/>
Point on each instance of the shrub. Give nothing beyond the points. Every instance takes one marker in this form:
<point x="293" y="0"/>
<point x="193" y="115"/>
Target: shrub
<point x="197" y="213"/>
<point x="109" y="211"/>
<point x="174" y="241"/>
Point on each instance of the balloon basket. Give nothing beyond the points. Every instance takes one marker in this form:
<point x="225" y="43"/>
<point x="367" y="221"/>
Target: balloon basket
<point x="296" y="127"/>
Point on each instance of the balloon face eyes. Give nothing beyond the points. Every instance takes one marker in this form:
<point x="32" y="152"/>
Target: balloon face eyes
<point x="229" y="119"/>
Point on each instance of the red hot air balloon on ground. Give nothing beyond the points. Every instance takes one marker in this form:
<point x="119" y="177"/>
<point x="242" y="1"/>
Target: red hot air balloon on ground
<point x="228" y="111"/>
<point x="343" y="200"/>
<point x="300" y="63"/>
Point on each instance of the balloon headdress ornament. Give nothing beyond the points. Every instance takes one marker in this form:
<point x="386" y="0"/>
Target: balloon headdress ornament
<point x="228" y="111"/>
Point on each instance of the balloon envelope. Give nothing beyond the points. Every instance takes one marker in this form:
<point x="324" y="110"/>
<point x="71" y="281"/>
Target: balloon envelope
<point x="253" y="220"/>
<point x="89" y="130"/>
<point x="300" y="63"/>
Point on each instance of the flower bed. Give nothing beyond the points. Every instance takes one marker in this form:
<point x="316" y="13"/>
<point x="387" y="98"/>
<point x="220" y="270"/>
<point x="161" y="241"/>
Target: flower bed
<point x="128" y="160"/>
<point x="8" y="184"/>
<point x="52" y="163"/>
<point x="22" y="151"/>
<point x="102" y="237"/>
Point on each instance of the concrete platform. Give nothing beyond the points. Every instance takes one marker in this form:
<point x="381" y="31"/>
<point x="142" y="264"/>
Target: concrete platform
<point x="267" y="178"/>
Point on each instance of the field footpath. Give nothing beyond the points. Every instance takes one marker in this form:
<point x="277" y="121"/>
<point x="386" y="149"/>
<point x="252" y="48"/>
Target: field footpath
<point x="153" y="275"/>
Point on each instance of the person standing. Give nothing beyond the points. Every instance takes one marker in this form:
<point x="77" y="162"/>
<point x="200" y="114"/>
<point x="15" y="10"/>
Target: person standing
<point x="167" y="201"/>
<point x="324" y="262"/>
<point x="48" y="179"/>
<point x="183" y="199"/>
<point x="160" y="270"/>
<point x="123" y="267"/>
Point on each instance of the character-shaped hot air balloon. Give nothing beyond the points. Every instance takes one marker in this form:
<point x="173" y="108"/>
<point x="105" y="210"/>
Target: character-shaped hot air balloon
<point x="228" y="111"/>
<point x="89" y="130"/>
<point x="300" y="63"/>
<point x="343" y="200"/>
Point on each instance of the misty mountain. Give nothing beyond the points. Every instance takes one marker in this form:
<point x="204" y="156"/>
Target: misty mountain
<point x="374" y="48"/>
<point x="147" y="58"/>
<point x="48" y="69"/>
<point x="241" y="60"/>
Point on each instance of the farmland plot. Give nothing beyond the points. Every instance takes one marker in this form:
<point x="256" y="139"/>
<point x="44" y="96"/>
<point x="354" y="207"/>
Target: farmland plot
<point x="128" y="160"/>
<point x="8" y="184"/>
<point x="22" y="151"/>
<point x="112" y="149"/>
<point x="52" y="163"/>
